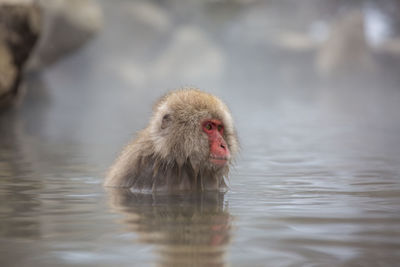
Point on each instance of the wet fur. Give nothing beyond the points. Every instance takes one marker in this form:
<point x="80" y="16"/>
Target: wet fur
<point x="172" y="152"/>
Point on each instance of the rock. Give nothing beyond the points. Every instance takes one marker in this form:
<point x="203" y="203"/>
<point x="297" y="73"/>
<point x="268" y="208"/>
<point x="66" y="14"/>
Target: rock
<point x="8" y="70"/>
<point x="346" y="51"/>
<point x="67" y="26"/>
<point x="207" y="63"/>
<point x="19" y="30"/>
<point x="63" y="26"/>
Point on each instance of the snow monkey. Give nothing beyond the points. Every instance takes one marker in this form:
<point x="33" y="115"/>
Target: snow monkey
<point x="188" y="144"/>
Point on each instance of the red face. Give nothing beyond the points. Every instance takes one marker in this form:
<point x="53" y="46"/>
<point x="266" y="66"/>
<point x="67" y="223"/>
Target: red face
<point x="219" y="151"/>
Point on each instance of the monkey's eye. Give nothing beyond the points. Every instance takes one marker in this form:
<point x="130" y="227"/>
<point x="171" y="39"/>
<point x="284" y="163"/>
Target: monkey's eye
<point x="208" y="126"/>
<point x="220" y="128"/>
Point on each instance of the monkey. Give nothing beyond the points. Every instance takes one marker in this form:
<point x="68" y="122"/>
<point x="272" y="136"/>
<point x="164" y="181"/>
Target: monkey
<point x="189" y="144"/>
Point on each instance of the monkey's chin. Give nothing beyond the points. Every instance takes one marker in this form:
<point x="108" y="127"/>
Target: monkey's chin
<point x="219" y="161"/>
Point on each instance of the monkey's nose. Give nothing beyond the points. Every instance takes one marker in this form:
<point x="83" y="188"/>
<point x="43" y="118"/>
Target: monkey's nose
<point x="220" y="148"/>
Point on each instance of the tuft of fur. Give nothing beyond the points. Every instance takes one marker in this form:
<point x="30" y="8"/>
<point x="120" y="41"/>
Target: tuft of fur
<point x="172" y="152"/>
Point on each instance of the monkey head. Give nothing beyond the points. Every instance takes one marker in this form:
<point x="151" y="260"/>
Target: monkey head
<point x="195" y="127"/>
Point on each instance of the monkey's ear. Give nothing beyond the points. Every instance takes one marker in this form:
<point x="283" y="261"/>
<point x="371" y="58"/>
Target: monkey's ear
<point x="166" y="121"/>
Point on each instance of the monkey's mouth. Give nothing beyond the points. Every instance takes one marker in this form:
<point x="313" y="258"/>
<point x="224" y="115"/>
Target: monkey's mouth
<point x="219" y="160"/>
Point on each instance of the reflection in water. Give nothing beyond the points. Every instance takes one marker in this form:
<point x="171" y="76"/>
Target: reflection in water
<point x="16" y="157"/>
<point x="188" y="229"/>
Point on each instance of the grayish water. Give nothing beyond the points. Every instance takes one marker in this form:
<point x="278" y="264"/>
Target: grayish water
<point x="317" y="182"/>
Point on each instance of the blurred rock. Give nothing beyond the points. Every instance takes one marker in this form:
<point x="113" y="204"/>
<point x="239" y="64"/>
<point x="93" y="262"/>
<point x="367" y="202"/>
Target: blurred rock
<point x="346" y="51"/>
<point x="19" y="30"/>
<point x="175" y="61"/>
<point x="7" y="69"/>
<point x="67" y="26"/>
<point x="207" y="63"/>
<point x="150" y="14"/>
<point x="62" y="25"/>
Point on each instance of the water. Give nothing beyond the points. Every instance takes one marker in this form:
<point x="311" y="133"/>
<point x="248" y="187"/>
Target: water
<point x="317" y="182"/>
